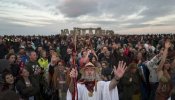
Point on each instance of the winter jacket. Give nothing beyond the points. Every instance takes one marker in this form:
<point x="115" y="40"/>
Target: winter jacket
<point x="26" y="92"/>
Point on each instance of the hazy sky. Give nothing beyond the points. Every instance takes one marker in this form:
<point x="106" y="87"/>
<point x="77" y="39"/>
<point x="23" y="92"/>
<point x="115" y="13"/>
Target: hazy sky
<point x="122" y="16"/>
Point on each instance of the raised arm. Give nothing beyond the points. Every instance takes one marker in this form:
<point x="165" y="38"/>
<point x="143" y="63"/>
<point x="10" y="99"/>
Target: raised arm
<point x="154" y="60"/>
<point x="93" y="52"/>
<point x="119" y="72"/>
<point x="165" y="52"/>
<point x="87" y="56"/>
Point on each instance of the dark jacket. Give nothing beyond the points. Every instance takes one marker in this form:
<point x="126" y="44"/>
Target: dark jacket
<point x="15" y="70"/>
<point x="5" y="87"/>
<point x="27" y="92"/>
<point x="3" y="50"/>
<point x="32" y="67"/>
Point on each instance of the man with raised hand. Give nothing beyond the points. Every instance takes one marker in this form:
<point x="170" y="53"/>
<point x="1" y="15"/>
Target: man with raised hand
<point x="90" y="86"/>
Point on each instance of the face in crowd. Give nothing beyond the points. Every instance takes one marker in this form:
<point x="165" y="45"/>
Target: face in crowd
<point x="69" y="51"/>
<point x="84" y="53"/>
<point x="105" y="49"/>
<point x="61" y="66"/>
<point x="104" y="65"/>
<point x="12" y="59"/>
<point x="40" y="48"/>
<point x="89" y="73"/>
<point x="9" y="79"/>
<point x="94" y="60"/>
<point x="54" y="59"/>
<point x="22" y="51"/>
<point x="43" y="54"/>
<point x="33" y="56"/>
<point x="18" y="58"/>
<point x="24" y="72"/>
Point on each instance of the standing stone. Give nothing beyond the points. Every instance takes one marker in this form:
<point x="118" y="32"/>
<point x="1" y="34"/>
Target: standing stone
<point x="83" y="31"/>
<point x="103" y="32"/>
<point x="90" y="31"/>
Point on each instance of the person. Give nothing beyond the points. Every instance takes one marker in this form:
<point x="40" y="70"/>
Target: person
<point x="8" y="81"/>
<point x="4" y="64"/>
<point x="51" y="78"/>
<point x="33" y="66"/>
<point x="106" y="71"/>
<point x="93" y="60"/>
<point x="27" y="86"/>
<point x="163" y="71"/>
<point x="29" y="47"/>
<point x="85" y="58"/>
<point x="43" y="61"/>
<point x="35" y="70"/>
<point x="8" y="90"/>
<point x="104" y="52"/>
<point x="23" y="55"/>
<point x="11" y="57"/>
<point x="3" y="48"/>
<point x="153" y="78"/>
<point x="91" y="88"/>
<point x="130" y="83"/>
<point x="50" y="70"/>
<point x="59" y="83"/>
<point x="39" y="50"/>
<point x="144" y="73"/>
<point x="173" y="79"/>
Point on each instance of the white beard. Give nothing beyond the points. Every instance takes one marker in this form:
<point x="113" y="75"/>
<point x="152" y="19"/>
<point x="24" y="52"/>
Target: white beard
<point x="90" y="78"/>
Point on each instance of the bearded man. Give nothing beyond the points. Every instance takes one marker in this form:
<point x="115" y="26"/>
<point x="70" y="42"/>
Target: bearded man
<point x="91" y="87"/>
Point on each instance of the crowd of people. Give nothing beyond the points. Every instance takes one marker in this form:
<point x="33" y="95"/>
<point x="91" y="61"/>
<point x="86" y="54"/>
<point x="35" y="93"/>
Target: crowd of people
<point x="134" y="67"/>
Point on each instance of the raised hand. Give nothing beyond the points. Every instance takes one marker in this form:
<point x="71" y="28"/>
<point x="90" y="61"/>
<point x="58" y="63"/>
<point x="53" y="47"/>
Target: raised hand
<point x="167" y="44"/>
<point x="73" y="73"/>
<point x="119" y="72"/>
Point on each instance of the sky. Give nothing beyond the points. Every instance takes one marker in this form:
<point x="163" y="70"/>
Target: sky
<point x="46" y="17"/>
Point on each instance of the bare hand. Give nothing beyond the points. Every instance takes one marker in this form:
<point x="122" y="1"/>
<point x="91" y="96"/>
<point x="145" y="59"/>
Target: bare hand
<point x="73" y="73"/>
<point x="167" y="44"/>
<point x="119" y="72"/>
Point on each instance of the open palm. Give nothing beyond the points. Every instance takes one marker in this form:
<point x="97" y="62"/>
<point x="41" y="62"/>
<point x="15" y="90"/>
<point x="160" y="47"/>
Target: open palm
<point x="119" y="72"/>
